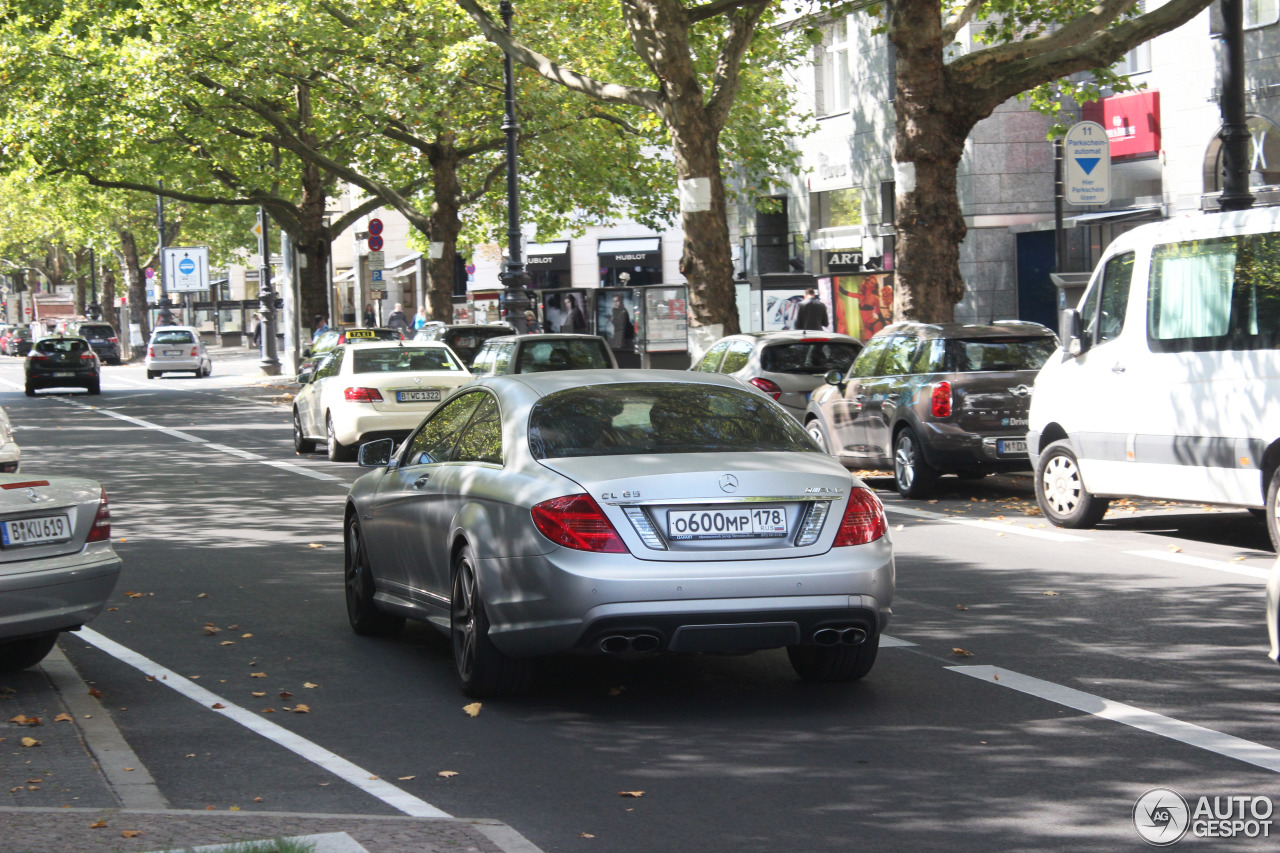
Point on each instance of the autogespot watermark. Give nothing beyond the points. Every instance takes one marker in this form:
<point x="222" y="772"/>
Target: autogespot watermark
<point x="1163" y="817"/>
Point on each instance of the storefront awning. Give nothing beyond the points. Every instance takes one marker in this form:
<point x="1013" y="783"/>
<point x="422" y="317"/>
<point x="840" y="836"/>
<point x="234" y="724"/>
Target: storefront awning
<point x="548" y="256"/>
<point x="645" y="251"/>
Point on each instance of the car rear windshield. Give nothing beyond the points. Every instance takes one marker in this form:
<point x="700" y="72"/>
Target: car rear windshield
<point x="467" y="342"/>
<point x="62" y="345"/>
<point x="177" y="337"/>
<point x="660" y="417"/>
<point x="97" y="333"/>
<point x="543" y="356"/>
<point x="815" y="357"/>
<point x="977" y="354"/>
<point x="403" y="360"/>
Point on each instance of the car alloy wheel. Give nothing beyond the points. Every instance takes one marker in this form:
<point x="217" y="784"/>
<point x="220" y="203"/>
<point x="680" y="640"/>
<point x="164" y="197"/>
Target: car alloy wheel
<point x="338" y="452"/>
<point x="914" y="477"/>
<point x="482" y="668"/>
<point x="301" y="443"/>
<point x="363" y="614"/>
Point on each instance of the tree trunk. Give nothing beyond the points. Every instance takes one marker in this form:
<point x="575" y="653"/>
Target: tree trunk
<point x="445" y="224"/>
<point x="929" y="141"/>
<point x="313" y="245"/>
<point x="137" y="289"/>
<point x="107" y="299"/>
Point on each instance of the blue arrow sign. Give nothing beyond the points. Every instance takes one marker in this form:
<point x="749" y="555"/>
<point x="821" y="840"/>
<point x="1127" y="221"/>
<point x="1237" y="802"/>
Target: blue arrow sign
<point x="186" y="266"/>
<point x="1087" y="163"/>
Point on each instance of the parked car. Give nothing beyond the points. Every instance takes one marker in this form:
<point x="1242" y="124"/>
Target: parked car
<point x="787" y="365"/>
<point x="934" y="398"/>
<point x="464" y="339"/>
<point x="57" y="566"/>
<point x="5" y="331"/>
<point x="177" y="349"/>
<point x="541" y="353"/>
<point x="101" y="336"/>
<point x="364" y="391"/>
<point x="18" y="342"/>
<point x="62" y="361"/>
<point x="10" y="452"/>
<point x="335" y="337"/>
<point x="612" y="512"/>
<point x="1167" y="385"/>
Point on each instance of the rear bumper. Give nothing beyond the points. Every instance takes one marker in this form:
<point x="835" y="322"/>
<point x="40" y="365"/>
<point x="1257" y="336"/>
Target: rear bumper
<point x="46" y="378"/>
<point x="949" y="449"/>
<point x="368" y="426"/>
<point x="56" y="594"/>
<point x="162" y="365"/>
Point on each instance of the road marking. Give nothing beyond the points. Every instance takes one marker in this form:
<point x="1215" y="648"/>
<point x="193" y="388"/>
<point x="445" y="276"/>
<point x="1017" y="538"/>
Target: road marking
<point x="234" y="451"/>
<point x="1203" y="563"/>
<point x="306" y="472"/>
<point x="993" y="526"/>
<point x="1148" y="721"/>
<point x="316" y="754"/>
<point x="887" y="642"/>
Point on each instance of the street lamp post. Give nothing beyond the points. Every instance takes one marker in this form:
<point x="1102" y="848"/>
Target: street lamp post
<point x="94" y="309"/>
<point x="166" y="307"/>
<point x="270" y="363"/>
<point x="514" y="276"/>
<point x="1235" y="129"/>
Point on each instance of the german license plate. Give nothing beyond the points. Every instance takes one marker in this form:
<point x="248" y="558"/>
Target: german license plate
<point x="63" y="374"/>
<point x="1011" y="446"/>
<point x="173" y="352"/>
<point x="35" y="531"/>
<point x="418" y="396"/>
<point x="753" y="523"/>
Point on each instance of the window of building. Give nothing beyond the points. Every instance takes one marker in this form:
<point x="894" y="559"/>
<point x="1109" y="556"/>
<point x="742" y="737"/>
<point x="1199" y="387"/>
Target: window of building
<point x="834" y="62"/>
<point x="1138" y="60"/>
<point x="839" y="208"/>
<point x="1261" y="13"/>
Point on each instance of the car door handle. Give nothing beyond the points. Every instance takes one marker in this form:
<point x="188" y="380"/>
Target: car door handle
<point x="1117" y="368"/>
<point x="421" y="482"/>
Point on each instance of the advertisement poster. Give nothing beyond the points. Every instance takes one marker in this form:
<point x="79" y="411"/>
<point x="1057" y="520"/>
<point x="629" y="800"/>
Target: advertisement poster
<point x="863" y="302"/>
<point x="780" y="307"/>
<point x="667" y="316"/>
<point x="616" y="318"/>
<point x="565" y="312"/>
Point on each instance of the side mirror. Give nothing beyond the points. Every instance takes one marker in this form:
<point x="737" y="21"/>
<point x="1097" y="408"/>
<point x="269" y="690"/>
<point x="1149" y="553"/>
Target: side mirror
<point x="1073" y="343"/>
<point x="834" y="377"/>
<point x="376" y="454"/>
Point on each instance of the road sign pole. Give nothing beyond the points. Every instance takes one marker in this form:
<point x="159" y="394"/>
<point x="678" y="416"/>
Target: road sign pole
<point x="270" y="363"/>
<point x="166" y="307"/>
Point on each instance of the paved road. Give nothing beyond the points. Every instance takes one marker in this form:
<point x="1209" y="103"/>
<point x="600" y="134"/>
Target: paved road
<point x="1039" y="680"/>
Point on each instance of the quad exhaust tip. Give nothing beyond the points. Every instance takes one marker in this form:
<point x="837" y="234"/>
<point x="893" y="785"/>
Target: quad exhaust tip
<point x="615" y="644"/>
<point x="839" y="637"/>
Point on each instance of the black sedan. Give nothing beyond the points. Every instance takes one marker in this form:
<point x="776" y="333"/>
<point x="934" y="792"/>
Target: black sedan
<point x="61" y="361"/>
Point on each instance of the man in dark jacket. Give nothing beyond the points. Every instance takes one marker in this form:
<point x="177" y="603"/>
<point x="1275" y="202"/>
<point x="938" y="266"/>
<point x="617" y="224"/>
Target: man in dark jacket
<point x="397" y="320"/>
<point x="812" y="314"/>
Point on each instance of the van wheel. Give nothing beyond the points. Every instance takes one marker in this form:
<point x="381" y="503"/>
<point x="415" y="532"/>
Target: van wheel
<point x="1060" y="489"/>
<point x="914" y="477"/>
<point x="1273" y="509"/>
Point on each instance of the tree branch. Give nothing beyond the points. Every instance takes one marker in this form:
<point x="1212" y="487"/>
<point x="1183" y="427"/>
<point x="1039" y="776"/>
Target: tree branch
<point x="1070" y="34"/>
<point x="952" y="26"/>
<point x="714" y="8"/>
<point x="727" y="78"/>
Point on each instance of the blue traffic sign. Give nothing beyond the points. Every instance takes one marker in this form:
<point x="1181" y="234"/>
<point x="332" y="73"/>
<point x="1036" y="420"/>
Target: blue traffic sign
<point x="186" y="266"/>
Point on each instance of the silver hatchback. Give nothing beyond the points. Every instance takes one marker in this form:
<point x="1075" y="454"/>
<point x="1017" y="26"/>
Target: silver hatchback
<point x="617" y="512"/>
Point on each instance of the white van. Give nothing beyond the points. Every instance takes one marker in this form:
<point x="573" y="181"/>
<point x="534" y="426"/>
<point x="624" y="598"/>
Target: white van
<point x="1167" y="384"/>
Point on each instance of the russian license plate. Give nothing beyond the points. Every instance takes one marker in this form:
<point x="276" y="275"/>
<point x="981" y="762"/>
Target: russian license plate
<point x="173" y="352"/>
<point x="1011" y="446"/>
<point x="753" y="523"/>
<point x="418" y="396"/>
<point x="35" y="531"/>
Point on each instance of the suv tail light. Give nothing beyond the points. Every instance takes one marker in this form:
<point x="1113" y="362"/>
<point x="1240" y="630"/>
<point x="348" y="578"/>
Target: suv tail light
<point x="113" y="340"/>
<point x="101" y="530"/>
<point x="863" y="520"/>
<point x="362" y="395"/>
<point x="576" y="521"/>
<point x="768" y="387"/>
<point x="940" y="402"/>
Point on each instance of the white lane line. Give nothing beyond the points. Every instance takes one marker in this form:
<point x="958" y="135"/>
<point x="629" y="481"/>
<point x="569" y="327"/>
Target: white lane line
<point x="234" y="451"/>
<point x="1203" y="563"/>
<point x="993" y="526"/>
<point x="185" y="436"/>
<point x="306" y="472"/>
<point x="1148" y="721"/>
<point x="316" y="754"/>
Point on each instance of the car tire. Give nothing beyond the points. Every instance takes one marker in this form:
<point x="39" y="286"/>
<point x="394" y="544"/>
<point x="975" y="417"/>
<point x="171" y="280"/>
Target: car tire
<point x="1273" y="510"/>
<point x="818" y="433"/>
<point x="362" y="611"/>
<point x="152" y="374"/>
<point x="17" y="655"/>
<point x="1061" y="492"/>
<point x="31" y="390"/>
<point x="338" y="452"/>
<point x="94" y="387"/>
<point x="914" y="477"/>
<point x="483" y="670"/>
<point x="301" y="443"/>
<point x="208" y="369"/>
<point x="834" y="663"/>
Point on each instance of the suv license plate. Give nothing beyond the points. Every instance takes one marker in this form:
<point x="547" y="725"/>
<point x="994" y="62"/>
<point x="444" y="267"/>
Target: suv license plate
<point x="418" y="396"/>
<point x="1011" y="446"/>
<point x="754" y="523"/>
<point x="35" y="531"/>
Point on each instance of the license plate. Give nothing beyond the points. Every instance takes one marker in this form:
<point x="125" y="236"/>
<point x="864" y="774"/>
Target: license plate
<point x="1011" y="446"/>
<point x="35" y="531"/>
<point x="173" y="352"/>
<point x="418" y="396"/>
<point x="63" y="374"/>
<point x="753" y="523"/>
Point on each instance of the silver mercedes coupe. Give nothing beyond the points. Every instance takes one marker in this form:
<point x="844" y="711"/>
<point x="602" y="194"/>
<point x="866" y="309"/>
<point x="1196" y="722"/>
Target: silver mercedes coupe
<point x="623" y="512"/>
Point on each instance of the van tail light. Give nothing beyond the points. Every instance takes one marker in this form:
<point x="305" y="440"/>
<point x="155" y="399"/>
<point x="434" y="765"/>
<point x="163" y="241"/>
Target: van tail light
<point x="770" y="388"/>
<point x="863" y="520"/>
<point x="576" y="521"/>
<point x="362" y="395"/>
<point x="101" y="530"/>
<point x="940" y="402"/>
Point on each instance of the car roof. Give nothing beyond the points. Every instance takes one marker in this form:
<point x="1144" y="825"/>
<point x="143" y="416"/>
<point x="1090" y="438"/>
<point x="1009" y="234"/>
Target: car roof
<point x="555" y="336"/>
<point x="192" y="329"/>
<point x="772" y="335"/>
<point x="355" y="345"/>
<point x="994" y="329"/>
<point x="561" y="380"/>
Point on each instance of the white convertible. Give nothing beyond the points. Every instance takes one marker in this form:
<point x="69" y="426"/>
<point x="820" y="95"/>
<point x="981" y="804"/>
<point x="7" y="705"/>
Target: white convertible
<point x="360" y="392"/>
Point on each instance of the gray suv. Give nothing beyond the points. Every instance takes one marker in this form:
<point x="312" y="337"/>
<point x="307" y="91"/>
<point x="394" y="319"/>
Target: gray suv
<point x="934" y="398"/>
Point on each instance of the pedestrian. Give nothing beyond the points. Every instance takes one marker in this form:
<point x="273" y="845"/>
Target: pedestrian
<point x="257" y="330"/>
<point x="370" y="319"/>
<point x="812" y="314"/>
<point x="531" y="324"/>
<point x="624" y="334"/>
<point x="319" y="326"/>
<point x="573" y="319"/>
<point x="420" y="319"/>
<point x="397" y="320"/>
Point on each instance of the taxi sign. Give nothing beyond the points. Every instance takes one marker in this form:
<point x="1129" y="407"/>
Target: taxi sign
<point x="364" y="334"/>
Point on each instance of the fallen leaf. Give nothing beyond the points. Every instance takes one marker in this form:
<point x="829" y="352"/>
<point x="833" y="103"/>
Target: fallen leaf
<point x="962" y="652"/>
<point x="234" y="809"/>
<point x="258" y="694"/>
<point x="30" y="741"/>
<point x="257" y="675"/>
<point x="95" y="693"/>
<point x="217" y="706"/>
<point x="189" y="755"/>
<point x="961" y="607"/>
<point x="227" y="643"/>
<point x="24" y="720"/>
<point x="211" y="808"/>
<point x="203" y="595"/>
<point x="315" y="545"/>
<point x="448" y="774"/>
<point x="64" y="718"/>
<point x="99" y="825"/>
<point x="1175" y="549"/>
<point x="473" y="709"/>
<point x="129" y="769"/>
<point x="585" y="835"/>
<point x="245" y="636"/>
<point x="299" y="709"/>
<point x="995" y="676"/>
<point x="1048" y="592"/>
<point x="631" y="794"/>
<point x="309" y="685"/>
<point x="211" y="630"/>
<point x="34" y="781"/>
<point x="407" y="778"/>
<point x="285" y="694"/>
<point x="130" y="833"/>
<point x="1236" y="559"/>
<point x="257" y="799"/>
<point x="270" y="710"/>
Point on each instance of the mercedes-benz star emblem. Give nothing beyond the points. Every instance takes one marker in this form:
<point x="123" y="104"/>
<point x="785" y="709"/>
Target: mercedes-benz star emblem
<point x="729" y="483"/>
<point x="33" y="495"/>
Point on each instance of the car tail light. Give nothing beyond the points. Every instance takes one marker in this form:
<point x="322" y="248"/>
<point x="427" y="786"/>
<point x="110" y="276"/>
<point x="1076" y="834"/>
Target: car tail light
<point x="151" y="352"/>
<point x="362" y="395"/>
<point x="101" y="530"/>
<point x="770" y="388"/>
<point x="113" y="340"/>
<point x="576" y="521"/>
<point x="87" y="356"/>
<point x="36" y="354"/>
<point x="195" y="351"/>
<point x="863" y="520"/>
<point x="940" y="402"/>
<point x="814" y="340"/>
